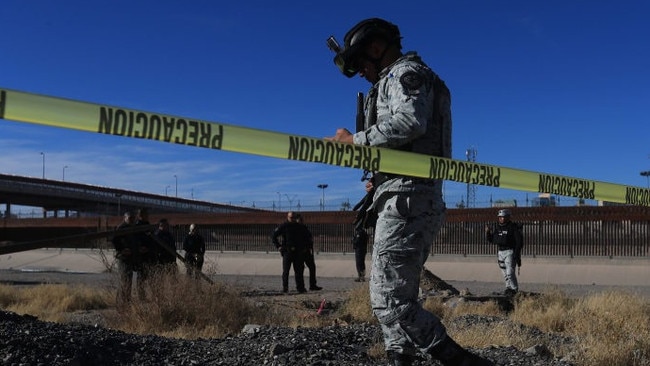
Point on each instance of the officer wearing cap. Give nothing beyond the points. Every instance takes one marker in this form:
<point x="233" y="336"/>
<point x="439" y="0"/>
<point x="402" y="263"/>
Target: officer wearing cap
<point x="508" y="237"/>
<point x="408" y="107"/>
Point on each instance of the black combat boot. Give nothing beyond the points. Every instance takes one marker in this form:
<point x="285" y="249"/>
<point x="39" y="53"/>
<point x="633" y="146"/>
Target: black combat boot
<point x="361" y="278"/>
<point x="449" y="353"/>
<point x="398" y="359"/>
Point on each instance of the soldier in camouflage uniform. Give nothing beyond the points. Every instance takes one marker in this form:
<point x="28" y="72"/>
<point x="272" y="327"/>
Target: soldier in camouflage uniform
<point x="507" y="235"/>
<point x="407" y="108"/>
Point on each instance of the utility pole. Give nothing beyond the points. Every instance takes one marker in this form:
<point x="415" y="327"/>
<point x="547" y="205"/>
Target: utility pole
<point x="471" y="188"/>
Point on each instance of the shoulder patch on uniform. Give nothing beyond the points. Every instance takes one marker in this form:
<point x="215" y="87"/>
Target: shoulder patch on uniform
<point x="411" y="80"/>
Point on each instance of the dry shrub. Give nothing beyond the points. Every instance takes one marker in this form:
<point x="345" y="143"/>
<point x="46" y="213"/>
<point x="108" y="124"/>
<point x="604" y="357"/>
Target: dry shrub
<point x="377" y="350"/>
<point x="51" y="302"/>
<point x="547" y="312"/>
<point x="357" y="307"/>
<point x="614" y="328"/>
<point x="476" y="335"/>
<point x="8" y="296"/>
<point x="611" y="328"/>
<point x="181" y="307"/>
<point x="437" y="306"/>
<point x="487" y="308"/>
<point x="484" y="335"/>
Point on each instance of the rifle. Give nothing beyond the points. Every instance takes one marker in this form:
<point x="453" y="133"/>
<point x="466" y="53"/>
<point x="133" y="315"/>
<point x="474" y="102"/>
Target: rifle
<point x="361" y="221"/>
<point x="361" y="118"/>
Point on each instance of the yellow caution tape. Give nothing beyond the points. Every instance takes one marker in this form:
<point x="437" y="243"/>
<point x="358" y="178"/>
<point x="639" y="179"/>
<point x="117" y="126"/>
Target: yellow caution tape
<point x="118" y="121"/>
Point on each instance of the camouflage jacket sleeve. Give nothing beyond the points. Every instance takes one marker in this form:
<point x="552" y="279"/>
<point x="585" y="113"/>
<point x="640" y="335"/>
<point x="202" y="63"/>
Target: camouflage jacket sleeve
<point x="404" y="106"/>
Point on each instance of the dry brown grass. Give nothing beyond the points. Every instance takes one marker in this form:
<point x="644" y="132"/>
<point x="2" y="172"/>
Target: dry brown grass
<point x="547" y="312"/>
<point x="52" y="302"/>
<point x="180" y="307"/>
<point x="610" y="328"/>
<point x="357" y="307"/>
<point x="614" y="328"/>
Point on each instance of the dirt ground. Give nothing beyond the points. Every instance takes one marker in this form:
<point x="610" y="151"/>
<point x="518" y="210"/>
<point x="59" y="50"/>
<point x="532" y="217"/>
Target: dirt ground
<point x="267" y="285"/>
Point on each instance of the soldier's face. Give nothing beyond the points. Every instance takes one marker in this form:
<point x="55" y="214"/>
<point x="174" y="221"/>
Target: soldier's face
<point x="370" y="60"/>
<point x="368" y="71"/>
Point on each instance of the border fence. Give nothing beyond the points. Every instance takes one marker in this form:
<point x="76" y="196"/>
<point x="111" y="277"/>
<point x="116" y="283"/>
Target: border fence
<point x="582" y="231"/>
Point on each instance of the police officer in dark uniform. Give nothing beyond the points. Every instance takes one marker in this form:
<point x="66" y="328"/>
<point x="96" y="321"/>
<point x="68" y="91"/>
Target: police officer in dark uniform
<point x="293" y="249"/>
<point x="126" y="253"/>
<point x="166" y="255"/>
<point x="147" y="253"/>
<point x="194" y="247"/>
<point x="310" y="260"/>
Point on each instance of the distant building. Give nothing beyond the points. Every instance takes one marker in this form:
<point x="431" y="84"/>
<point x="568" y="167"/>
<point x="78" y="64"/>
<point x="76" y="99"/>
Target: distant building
<point x="544" y="200"/>
<point x="607" y="203"/>
<point x="505" y="203"/>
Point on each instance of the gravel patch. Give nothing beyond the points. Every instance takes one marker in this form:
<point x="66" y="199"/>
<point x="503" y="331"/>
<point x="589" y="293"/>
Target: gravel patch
<point x="24" y="340"/>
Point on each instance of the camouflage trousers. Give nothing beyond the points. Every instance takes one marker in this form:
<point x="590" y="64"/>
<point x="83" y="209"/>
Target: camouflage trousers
<point x="406" y="226"/>
<point x="506" y="260"/>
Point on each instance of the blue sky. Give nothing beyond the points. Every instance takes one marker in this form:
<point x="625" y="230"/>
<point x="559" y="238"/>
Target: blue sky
<point x="560" y="87"/>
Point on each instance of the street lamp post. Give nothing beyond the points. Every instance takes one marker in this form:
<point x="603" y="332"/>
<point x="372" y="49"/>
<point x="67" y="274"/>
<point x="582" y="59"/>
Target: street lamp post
<point x="322" y="202"/>
<point x="43" y="154"/>
<point x="647" y="175"/>
<point x="279" y="201"/>
<point x="176" y="178"/>
<point x="64" y="168"/>
<point x="166" y="188"/>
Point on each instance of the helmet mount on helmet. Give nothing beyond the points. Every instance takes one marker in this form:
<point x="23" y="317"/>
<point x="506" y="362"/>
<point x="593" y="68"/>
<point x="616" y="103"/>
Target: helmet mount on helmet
<point x="357" y="38"/>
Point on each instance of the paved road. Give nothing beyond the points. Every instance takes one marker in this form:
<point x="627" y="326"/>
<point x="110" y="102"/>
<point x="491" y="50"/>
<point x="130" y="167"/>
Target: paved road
<point x="271" y="284"/>
<point x="261" y="271"/>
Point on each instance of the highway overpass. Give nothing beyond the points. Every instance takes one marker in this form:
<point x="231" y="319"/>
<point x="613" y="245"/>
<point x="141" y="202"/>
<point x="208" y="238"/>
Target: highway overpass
<point x="68" y="198"/>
